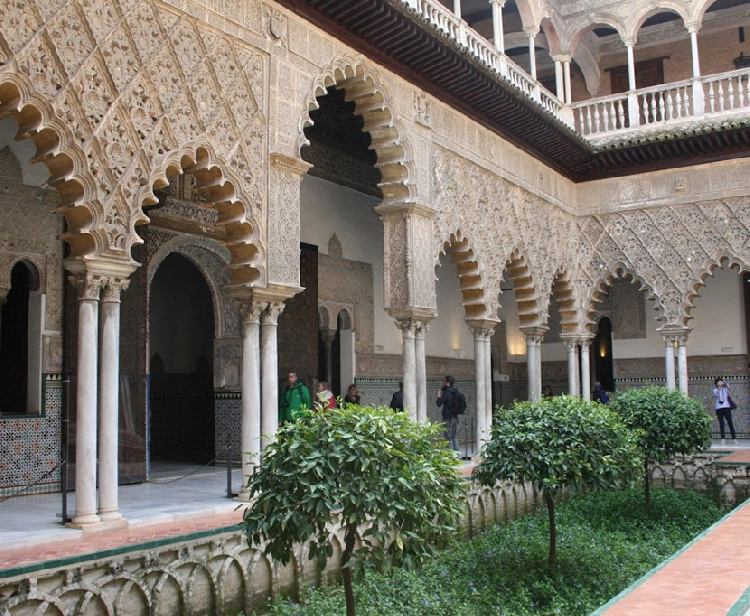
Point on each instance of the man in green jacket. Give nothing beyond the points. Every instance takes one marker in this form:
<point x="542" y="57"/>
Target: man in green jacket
<point x="295" y="398"/>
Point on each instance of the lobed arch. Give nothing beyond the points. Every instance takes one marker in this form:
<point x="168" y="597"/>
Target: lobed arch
<point x="599" y="289"/>
<point x="567" y="301"/>
<point x="470" y="279"/>
<point x="723" y="261"/>
<point x="372" y="103"/>
<point x="527" y="297"/>
<point x="329" y="313"/>
<point x="242" y="235"/>
<point x="69" y="171"/>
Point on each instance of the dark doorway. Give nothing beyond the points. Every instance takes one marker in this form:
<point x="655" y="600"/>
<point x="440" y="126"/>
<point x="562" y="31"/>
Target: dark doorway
<point x="14" y="343"/>
<point x="181" y="402"/>
<point x="602" y="348"/>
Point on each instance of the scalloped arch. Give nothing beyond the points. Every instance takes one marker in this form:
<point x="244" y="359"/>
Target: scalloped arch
<point x="723" y="261"/>
<point x="527" y="297"/>
<point x="567" y="302"/>
<point x="470" y="278"/>
<point x="69" y="171"/>
<point x="372" y="103"/>
<point x="622" y="272"/>
<point x="221" y="190"/>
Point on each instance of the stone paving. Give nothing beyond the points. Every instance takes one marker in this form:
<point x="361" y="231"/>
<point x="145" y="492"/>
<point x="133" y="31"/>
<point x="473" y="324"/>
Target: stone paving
<point x="709" y="577"/>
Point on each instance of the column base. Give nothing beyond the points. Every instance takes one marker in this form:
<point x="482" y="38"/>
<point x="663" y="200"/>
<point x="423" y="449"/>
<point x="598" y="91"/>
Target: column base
<point x="83" y="520"/>
<point x="98" y="527"/>
<point x="112" y="515"/>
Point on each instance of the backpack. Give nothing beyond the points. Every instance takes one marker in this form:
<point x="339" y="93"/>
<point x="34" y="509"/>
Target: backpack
<point x="459" y="403"/>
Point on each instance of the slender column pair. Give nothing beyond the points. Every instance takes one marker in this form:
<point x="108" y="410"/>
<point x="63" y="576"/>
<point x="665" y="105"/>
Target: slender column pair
<point x="260" y="398"/>
<point x="675" y="338"/>
<point x="413" y="332"/>
<point x="98" y="389"/>
<point x="534" y="336"/>
<point x="482" y="331"/>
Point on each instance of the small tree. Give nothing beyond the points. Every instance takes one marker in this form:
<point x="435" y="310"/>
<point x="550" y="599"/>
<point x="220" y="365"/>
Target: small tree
<point x="377" y="471"/>
<point x="668" y="423"/>
<point x="556" y="443"/>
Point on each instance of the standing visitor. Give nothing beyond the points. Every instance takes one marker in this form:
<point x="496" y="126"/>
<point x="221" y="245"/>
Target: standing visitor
<point x="326" y="399"/>
<point x="352" y="395"/>
<point x="294" y="400"/>
<point x="447" y="400"/>
<point x="724" y="405"/>
<point x="397" y="400"/>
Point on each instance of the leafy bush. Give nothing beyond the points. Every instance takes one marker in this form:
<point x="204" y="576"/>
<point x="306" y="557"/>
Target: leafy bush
<point x="668" y="422"/>
<point x="556" y="443"/>
<point x="613" y="542"/>
<point x="371" y="468"/>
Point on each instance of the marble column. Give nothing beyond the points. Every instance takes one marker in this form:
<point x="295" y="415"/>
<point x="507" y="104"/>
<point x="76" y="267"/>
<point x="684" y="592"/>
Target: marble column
<point x="409" y="358"/>
<point x="693" y="29"/>
<point x="328" y="335"/>
<point x="566" y="80"/>
<point x="669" y="361"/>
<point x="571" y="345"/>
<point x="497" y="24"/>
<point x="586" y="386"/>
<point x="682" y="368"/>
<point x="251" y="388"/>
<point x="559" y="84"/>
<point x="421" y="370"/>
<point x="482" y="332"/>
<point x="109" y="394"/>
<point x="269" y="371"/>
<point x="88" y="286"/>
<point x="534" y="336"/>
<point x="531" y="34"/>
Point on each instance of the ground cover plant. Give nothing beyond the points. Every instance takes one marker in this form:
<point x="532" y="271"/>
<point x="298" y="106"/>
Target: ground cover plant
<point x="371" y="468"/>
<point x="613" y="541"/>
<point x="555" y="444"/>
<point x="667" y="422"/>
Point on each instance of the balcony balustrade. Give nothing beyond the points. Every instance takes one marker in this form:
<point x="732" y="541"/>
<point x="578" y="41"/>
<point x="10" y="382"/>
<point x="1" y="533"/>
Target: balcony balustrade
<point x="648" y="111"/>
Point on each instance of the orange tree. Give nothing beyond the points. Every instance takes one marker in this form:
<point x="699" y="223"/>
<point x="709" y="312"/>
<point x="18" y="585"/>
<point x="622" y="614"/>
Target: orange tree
<point x="380" y="473"/>
<point x="558" y="443"/>
<point x="668" y="422"/>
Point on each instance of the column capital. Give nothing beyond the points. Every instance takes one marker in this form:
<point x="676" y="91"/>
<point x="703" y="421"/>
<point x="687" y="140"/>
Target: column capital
<point x="534" y="333"/>
<point x="562" y="57"/>
<point x="498" y="3"/>
<point x="531" y="31"/>
<point x="271" y="312"/>
<point x="693" y="27"/>
<point x="412" y="317"/>
<point x="112" y="287"/>
<point x="629" y="41"/>
<point x="674" y="333"/>
<point x="482" y="327"/>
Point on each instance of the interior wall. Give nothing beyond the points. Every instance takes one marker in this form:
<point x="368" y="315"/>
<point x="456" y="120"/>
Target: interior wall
<point x="326" y="209"/>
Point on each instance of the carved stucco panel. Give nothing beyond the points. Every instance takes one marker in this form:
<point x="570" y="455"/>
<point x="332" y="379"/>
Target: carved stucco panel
<point x="396" y="262"/>
<point x="283" y="227"/>
<point x="499" y="218"/>
<point x="669" y="248"/>
<point x="424" y="272"/>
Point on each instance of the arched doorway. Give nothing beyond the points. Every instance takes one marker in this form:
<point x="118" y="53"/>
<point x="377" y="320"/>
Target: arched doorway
<point x="602" y="348"/>
<point x="181" y="418"/>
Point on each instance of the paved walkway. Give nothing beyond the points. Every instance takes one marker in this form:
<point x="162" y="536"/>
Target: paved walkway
<point x="709" y="577"/>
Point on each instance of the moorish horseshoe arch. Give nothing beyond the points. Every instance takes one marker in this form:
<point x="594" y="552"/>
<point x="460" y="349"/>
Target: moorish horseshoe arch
<point x="724" y="260"/>
<point x="527" y="297"/>
<point x="365" y="89"/>
<point x="470" y="279"/>
<point x="69" y="174"/>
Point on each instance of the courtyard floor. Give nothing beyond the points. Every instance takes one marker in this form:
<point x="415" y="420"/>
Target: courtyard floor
<point x="710" y="577"/>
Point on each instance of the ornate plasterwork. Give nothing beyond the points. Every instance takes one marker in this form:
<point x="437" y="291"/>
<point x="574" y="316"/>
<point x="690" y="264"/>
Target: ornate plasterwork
<point x="131" y="81"/>
<point x="499" y="220"/>
<point x="669" y="249"/>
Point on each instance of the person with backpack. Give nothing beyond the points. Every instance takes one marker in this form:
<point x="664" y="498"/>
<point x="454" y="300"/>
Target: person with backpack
<point x="448" y="399"/>
<point x="600" y="394"/>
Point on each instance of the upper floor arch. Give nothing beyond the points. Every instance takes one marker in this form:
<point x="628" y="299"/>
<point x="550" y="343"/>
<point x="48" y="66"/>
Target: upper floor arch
<point x="364" y="88"/>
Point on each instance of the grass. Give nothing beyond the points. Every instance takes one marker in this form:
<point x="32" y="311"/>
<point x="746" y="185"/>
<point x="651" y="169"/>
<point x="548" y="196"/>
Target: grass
<point x="606" y="541"/>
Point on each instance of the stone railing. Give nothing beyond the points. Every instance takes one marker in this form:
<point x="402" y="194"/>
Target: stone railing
<point x="211" y="572"/>
<point x="655" y="109"/>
